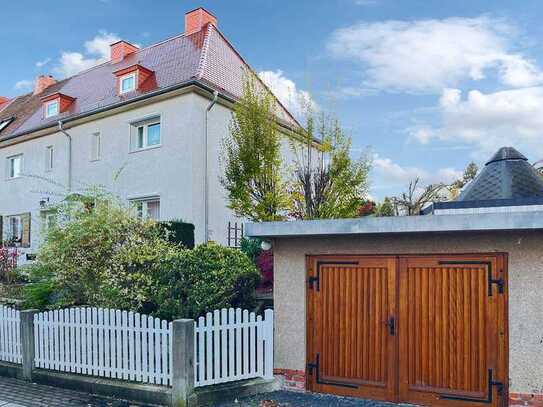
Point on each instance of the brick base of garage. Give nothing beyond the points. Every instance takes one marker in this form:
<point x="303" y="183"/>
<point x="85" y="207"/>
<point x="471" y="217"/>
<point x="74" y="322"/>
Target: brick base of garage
<point x="526" y="399"/>
<point x="291" y="379"/>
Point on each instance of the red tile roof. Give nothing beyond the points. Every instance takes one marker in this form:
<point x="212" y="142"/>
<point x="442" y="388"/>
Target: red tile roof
<point x="205" y="57"/>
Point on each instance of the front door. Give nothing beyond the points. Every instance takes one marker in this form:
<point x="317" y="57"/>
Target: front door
<point x="418" y="329"/>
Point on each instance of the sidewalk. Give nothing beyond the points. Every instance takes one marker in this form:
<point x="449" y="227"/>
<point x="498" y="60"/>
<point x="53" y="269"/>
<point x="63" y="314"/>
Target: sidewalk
<point x="18" y="393"/>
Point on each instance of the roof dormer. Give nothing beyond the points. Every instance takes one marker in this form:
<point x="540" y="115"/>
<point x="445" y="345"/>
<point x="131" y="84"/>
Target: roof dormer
<point x="131" y="78"/>
<point x="56" y="104"/>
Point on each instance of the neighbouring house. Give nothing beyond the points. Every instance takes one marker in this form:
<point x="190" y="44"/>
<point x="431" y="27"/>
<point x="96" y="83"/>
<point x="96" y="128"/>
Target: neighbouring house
<point x="144" y="125"/>
<point x="442" y="309"/>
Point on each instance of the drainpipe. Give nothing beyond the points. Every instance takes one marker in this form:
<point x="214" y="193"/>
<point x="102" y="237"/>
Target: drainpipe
<point x="61" y="129"/>
<point x="206" y="175"/>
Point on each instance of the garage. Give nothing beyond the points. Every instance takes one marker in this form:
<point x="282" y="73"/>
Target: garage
<point x="418" y="329"/>
<point x="441" y="309"/>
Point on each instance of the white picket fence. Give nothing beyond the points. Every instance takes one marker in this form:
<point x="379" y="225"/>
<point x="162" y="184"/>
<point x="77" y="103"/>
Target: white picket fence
<point x="10" y="331"/>
<point x="233" y="345"/>
<point x="104" y="343"/>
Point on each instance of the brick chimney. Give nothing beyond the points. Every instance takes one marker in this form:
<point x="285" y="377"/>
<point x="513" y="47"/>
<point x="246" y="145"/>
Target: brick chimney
<point x="120" y="50"/>
<point x="197" y="19"/>
<point x="42" y="83"/>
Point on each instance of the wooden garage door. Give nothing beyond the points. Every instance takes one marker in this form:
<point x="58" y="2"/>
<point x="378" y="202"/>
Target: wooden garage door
<point x="352" y="350"/>
<point x="419" y="329"/>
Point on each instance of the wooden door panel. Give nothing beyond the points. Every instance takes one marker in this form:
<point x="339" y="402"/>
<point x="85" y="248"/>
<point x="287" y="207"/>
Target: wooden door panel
<point x="448" y="331"/>
<point x="351" y="347"/>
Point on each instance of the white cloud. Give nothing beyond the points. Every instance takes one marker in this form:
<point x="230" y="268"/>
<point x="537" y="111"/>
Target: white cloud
<point x="393" y="175"/>
<point x="428" y="55"/>
<point x="42" y="63"/>
<point x="24" y="84"/>
<point x="96" y="52"/>
<point x="487" y="121"/>
<point x="287" y="92"/>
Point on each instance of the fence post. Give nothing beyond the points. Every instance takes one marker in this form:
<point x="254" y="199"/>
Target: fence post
<point x="27" y="342"/>
<point x="268" y="355"/>
<point x="183" y="363"/>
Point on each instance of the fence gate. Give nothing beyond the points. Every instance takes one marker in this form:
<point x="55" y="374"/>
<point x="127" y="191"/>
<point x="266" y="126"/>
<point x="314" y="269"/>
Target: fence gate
<point x="428" y="330"/>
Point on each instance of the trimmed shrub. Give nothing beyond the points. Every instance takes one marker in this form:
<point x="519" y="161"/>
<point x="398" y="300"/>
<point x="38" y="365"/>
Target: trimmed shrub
<point x="193" y="282"/>
<point x="179" y="232"/>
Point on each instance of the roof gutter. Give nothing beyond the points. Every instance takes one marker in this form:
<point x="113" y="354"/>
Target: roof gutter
<point x="69" y="137"/>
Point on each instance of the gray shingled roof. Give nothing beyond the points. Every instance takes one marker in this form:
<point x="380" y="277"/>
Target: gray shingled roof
<point x="508" y="175"/>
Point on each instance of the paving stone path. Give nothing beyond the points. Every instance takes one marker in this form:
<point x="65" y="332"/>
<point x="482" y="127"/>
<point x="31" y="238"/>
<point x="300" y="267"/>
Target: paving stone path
<point x="294" y="399"/>
<point x="18" y="393"/>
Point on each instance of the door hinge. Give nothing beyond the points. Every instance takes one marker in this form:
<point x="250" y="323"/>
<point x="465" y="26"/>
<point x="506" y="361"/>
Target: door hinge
<point x="311" y="367"/>
<point x="488" y="399"/>
<point x="498" y="281"/>
<point x="312" y="280"/>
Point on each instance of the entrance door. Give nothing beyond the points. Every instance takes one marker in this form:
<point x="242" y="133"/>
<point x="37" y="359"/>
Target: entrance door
<point x="351" y="311"/>
<point x="418" y="329"/>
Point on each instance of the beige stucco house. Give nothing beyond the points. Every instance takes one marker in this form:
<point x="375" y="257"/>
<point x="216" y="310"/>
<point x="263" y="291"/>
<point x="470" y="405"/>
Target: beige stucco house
<point x="147" y="125"/>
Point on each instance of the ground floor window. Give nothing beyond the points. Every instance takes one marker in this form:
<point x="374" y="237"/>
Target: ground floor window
<point x="148" y="208"/>
<point x="17" y="230"/>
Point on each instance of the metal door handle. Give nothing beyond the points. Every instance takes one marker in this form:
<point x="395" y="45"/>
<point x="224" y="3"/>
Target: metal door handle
<point x="391" y="324"/>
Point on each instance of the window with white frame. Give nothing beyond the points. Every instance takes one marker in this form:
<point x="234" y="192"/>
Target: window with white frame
<point x="127" y="83"/>
<point x="145" y="134"/>
<point x="49" y="158"/>
<point x="14" y="166"/>
<point x="96" y="146"/>
<point x="148" y="208"/>
<point x="52" y="108"/>
<point x="15" y="229"/>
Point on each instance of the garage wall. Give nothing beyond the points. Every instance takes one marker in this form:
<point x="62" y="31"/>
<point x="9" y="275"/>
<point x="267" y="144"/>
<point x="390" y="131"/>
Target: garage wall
<point x="525" y="290"/>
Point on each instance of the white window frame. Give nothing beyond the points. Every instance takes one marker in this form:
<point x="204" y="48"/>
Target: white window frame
<point x="142" y="212"/>
<point x="144" y="125"/>
<point x="10" y="161"/>
<point x="96" y="146"/>
<point x="132" y="75"/>
<point x="10" y="235"/>
<point x="49" y="158"/>
<point x="48" y="104"/>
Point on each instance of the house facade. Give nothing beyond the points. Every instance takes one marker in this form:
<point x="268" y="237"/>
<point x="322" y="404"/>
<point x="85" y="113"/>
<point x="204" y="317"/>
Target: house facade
<point x="146" y="125"/>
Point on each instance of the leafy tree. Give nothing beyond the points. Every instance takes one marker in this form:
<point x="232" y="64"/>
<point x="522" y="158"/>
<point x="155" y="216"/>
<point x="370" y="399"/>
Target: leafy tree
<point x="385" y="208"/>
<point x="470" y="172"/>
<point x="252" y="157"/>
<point x="411" y="202"/>
<point x="327" y="183"/>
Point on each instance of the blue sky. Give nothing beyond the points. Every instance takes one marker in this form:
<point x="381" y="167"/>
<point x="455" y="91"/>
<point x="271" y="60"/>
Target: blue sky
<point x="426" y="85"/>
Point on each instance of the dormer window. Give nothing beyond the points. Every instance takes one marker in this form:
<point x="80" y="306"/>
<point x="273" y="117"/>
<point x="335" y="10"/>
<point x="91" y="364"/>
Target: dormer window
<point x="132" y="78"/>
<point x="55" y="104"/>
<point x="5" y="123"/>
<point x="52" y="108"/>
<point x="127" y="83"/>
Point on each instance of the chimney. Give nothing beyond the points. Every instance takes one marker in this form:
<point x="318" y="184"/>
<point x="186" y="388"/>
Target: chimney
<point x="42" y="83"/>
<point x="197" y="19"/>
<point x="120" y="50"/>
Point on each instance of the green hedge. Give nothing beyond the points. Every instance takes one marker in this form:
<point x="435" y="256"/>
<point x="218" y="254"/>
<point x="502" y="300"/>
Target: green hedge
<point x="179" y="232"/>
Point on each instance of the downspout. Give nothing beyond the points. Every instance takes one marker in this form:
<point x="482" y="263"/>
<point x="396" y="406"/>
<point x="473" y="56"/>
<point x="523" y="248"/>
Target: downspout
<point x="206" y="175"/>
<point x="61" y="129"/>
